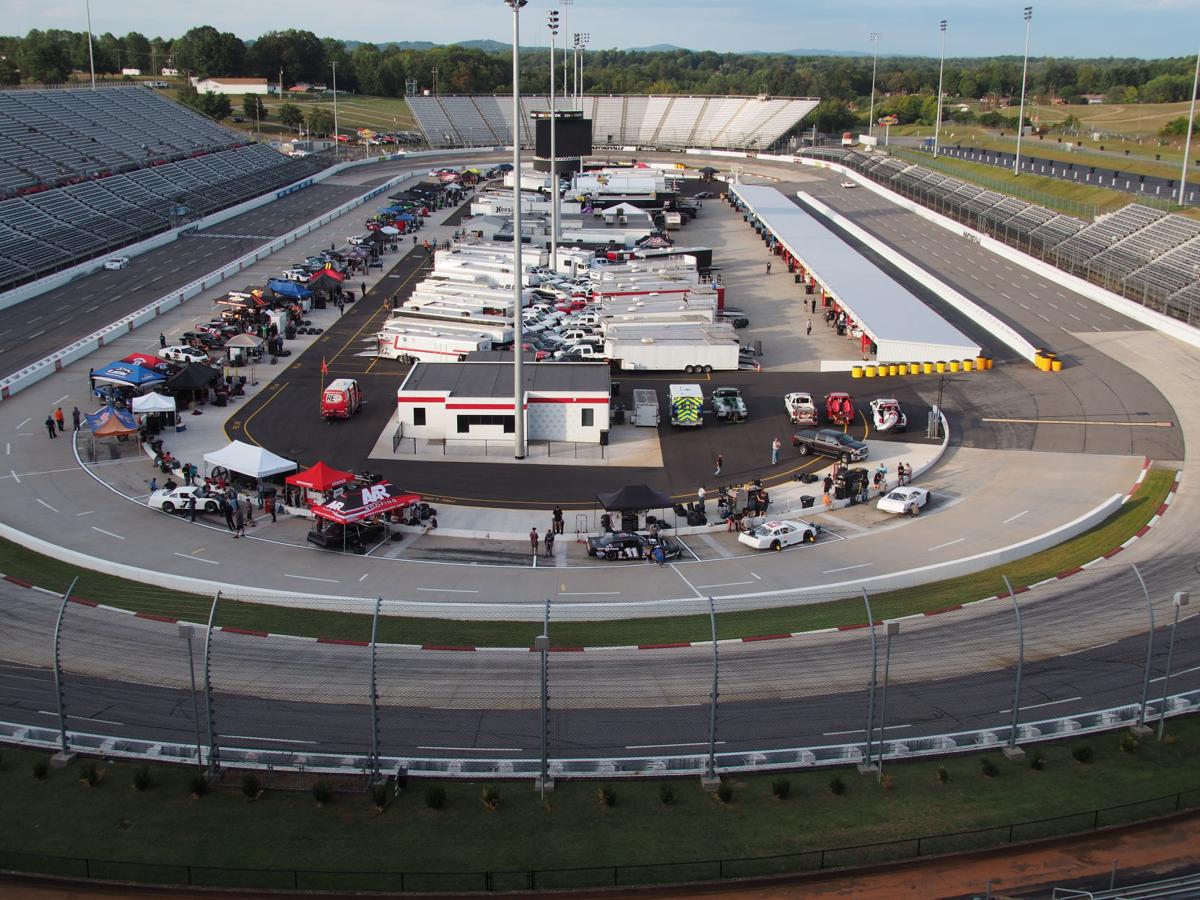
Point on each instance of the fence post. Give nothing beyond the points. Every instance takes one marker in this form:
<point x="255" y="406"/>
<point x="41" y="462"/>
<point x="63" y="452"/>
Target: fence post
<point x="542" y="645"/>
<point x="213" y="761"/>
<point x="374" y="695"/>
<point x="866" y="766"/>
<point x="1012" y="751"/>
<point x="1179" y="601"/>
<point x="64" y="755"/>
<point x="711" y="779"/>
<point x="185" y="632"/>
<point x="1141" y="729"/>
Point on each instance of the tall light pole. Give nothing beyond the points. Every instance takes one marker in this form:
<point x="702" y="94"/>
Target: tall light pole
<point x="583" y="42"/>
<point x="552" y="24"/>
<point x="1180" y="600"/>
<point x="518" y="274"/>
<point x="435" y="84"/>
<point x="566" y="4"/>
<point x="874" y="69"/>
<point x="1021" y="114"/>
<point x="891" y="628"/>
<point x="91" y="57"/>
<point x="1187" y="144"/>
<point x="937" y="125"/>
<point x="337" y="144"/>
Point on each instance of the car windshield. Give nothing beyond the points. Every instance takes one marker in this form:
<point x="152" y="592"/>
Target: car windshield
<point x="845" y="439"/>
<point x="897" y="495"/>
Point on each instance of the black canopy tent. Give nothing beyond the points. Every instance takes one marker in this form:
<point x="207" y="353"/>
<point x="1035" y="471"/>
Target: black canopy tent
<point x="633" y="499"/>
<point x="192" y="383"/>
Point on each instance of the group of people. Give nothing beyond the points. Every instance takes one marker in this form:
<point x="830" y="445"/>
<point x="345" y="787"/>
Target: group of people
<point x="56" y="422"/>
<point x="557" y="524"/>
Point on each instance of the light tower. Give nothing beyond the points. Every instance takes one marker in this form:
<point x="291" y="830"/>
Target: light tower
<point x="518" y="274"/>
<point x="552" y="24"/>
<point x="1021" y="114"/>
<point x="937" y="125"/>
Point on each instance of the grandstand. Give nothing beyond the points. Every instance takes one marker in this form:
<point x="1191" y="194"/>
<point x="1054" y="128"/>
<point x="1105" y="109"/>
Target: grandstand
<point x="633" y="121"/>
<point x="84" y="172"/>
<point x="1141" y="253"/>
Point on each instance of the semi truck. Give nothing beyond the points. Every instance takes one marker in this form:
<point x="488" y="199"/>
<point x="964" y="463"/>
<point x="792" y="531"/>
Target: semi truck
<point x="687" y="405"/>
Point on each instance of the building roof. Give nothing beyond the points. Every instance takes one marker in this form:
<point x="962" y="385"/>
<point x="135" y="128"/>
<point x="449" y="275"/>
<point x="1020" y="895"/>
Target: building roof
<point x="495" y="379"/>
<point x="235" y="80"/>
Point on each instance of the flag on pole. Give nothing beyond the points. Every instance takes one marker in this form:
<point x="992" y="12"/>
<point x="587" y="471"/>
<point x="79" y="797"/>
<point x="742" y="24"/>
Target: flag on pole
<point x="324" y="366"/>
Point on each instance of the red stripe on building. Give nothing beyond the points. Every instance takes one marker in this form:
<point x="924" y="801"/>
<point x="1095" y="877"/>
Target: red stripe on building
<point x="507" y="406"/>
<point x="421" y="399"/>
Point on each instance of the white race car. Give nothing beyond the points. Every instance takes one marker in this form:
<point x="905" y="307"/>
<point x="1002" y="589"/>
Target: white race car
<point x="117" y="262"/>
<point x="905" y="500"/>
<point x="887" y="415"/>
<point x="183" y="354"/>
<point x="800" y="408"/>
<point x="777" y="535"/>
<point x="176" y="500"/>
<point x="849" y="184"/>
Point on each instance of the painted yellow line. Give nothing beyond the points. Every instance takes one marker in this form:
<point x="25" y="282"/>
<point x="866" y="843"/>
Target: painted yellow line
<point x="1083" y="422"/>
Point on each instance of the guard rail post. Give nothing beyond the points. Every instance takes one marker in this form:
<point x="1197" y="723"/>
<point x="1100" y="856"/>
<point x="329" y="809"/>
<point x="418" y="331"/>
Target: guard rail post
<point x="1011" y="750"/>
<point x="64" y="756"/>
<point x="711" y="780"/>
<point x="374" y="696"/>
<point x="866" y="765"/>
<point x="185" y="631"/>
<point x="213" y="758"/>
<point x="542" y="645"/>
<point x="1141" y="729"/>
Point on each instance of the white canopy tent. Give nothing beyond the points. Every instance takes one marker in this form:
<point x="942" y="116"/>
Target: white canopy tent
<point x="247" y="459"/>
<point x="153" y="403"/>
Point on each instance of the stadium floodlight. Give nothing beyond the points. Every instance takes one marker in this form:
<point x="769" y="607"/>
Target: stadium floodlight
<point x="552" y="24"/>
<point x="1021" y="114"/>
<point x="1187" y="144"/>
<point x="583" y="42"/>
<point x="874" y="69"/>
<point x="518" y="269"/>
<point x="937" y="124"/>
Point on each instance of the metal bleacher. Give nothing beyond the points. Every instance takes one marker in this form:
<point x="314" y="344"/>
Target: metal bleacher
<point x="86" y="172"/>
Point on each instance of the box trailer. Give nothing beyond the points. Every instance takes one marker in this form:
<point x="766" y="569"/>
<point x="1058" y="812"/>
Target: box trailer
<point x="672" y="347"/>
<point x="430" y="344"/>
<point x="645" y="408"/>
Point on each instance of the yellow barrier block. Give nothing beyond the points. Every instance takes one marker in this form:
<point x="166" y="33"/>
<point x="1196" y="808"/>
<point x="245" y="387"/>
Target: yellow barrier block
<point x="940" y="367"/>
<point x="967" y="365"/>
<point x="856" y="372"/>
<point x="869" y="371"/>
<point x="892" y="369"/>
<point x="1056" y="365"/>
<point x="927" y="368"/>
<point x="980" y="363"/>
<point x="902" y="369"/>
<point x="953" y="365"/>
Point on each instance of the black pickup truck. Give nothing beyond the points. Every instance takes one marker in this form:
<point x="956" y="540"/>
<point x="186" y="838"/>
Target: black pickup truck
<point x="828" y="442"/>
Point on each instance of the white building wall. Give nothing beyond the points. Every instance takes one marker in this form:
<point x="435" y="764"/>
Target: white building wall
<point x="550" y="416"/>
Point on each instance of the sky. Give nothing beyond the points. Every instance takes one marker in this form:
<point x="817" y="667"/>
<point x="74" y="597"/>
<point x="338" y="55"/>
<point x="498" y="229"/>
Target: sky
<point x="1079" y="28"/>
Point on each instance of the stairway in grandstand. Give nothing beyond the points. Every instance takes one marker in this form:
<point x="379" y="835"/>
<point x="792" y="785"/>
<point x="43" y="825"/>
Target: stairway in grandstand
<point x="633" y="121"/>
<point x="85" y="172"/>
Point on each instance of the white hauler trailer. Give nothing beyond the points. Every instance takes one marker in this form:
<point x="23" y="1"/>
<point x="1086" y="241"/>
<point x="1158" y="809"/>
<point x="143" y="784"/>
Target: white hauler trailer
<point x="645" y="408"/>
<point x="674" y="347"/>
<point x="432" y="315"/>
<point x="430" y="343"/>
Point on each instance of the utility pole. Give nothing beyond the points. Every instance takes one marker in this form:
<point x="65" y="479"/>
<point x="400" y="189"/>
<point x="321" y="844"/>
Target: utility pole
<point x="874" y="69"/>
<point x="518" y="268"/>
<point x="91" y="56"/>
<point x="937" y="125"/>
<point x="1187" y="144"/>
<point x="1024" y="71"/>
<point x="552" y="24"/>
<point x="567" y="4"/>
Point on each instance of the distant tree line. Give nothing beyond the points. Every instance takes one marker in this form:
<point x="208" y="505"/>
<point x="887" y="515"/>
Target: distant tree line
<point x="905" y="85"/>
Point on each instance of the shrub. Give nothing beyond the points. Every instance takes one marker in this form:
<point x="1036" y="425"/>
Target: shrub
<point x="1037" y="762"/>
<point x="322" y="792"/>
<point x="943" y="774"/>
<point x="198" y="785"/>
<point x="666" y="794"/>
<point x="41" y="769"/>
<point x="781" y="788"/>
<point x="725" y="792"/>
<point x="379" y="796"/>
<point x="837" y="786"/>
<point x="607" y="796"/>
<point x="1083" y="754"/>
<point x="1129" y="742"/>
<point x="491" y="798"/>
<point x="989" y="768"/>
<point x="251" y="786"/>
<point x="90" y="774"/>
<point x="435" y="796"/>
<point x="141" y="779"/>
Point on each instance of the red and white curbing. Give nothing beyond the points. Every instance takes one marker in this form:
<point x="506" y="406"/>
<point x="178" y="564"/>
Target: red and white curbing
<point x="752" y="639"/>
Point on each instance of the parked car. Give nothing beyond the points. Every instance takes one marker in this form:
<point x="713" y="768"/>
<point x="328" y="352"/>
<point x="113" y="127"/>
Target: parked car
<point x="905" y="501"/>
<point x="830" y="443"/>
<point x="176" y="499"/>
<point x="703" y="195"/>
<point x="117" y="262"/>
<point x="183" y="354"/>
<point x="203" y="339"/>
<point x="630" y="545"/>
<point x="777" y="535"/>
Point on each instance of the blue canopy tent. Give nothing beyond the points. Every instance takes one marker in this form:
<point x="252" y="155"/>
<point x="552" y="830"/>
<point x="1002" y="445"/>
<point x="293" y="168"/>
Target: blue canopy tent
<point x="288" y="289"/>
<point x="130" y="376"/>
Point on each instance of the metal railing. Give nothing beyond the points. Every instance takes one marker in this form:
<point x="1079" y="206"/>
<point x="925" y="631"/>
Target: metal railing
<point x="475" y="448"/>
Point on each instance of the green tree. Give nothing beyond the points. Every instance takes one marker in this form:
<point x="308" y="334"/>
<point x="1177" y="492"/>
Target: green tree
<point x="9" y="73"/>
<point x="290" y="115"/>
<point x="253" y="107"/>
<point x="44" y="58"/>
<point x="205" y="51"/>
<point x="215" y="106"/>
<point x="320" y="121"/>
<point x="832" y="116"/>
<point x="1174" y="128"/>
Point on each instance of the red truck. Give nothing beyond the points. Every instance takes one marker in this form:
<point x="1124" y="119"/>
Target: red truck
<point x="341" y="399"/>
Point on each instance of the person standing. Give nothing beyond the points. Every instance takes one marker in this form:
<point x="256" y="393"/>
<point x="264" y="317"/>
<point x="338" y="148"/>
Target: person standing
<point x="75" y="417"/>
<point x="248" y="511"/>
<point x="809" y="327"/>
<point x="717" y="463"/>
<point x="60" y="420"/>
<point x="162" y="341"/>
<point x="768" y="267"/>
<point x="549" y="542"/>
<point x="192" y="507"/>
<point x="50" y="426"/>
<point x="700" y="495"/>
<point x="533" y="540"/>
<point x="363" y="285"/>
<point x="775" y="446"/>
<point x="269" y="505"/>
<point x="228" y="511"/>
<point x="558" y="520"/>
<point x="239" y="521"/>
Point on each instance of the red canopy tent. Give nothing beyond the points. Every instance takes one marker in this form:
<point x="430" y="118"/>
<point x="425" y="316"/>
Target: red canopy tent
<point x="361" y="503"/>
<point x="320" y="478"/>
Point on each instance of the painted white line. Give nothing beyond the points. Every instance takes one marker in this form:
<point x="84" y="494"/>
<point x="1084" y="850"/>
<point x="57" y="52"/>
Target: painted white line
<point x="948" y="544"/>
<point x="16" y="477"/>
<point x="109" y="533"/>
<point x="85" y="513"/>
<point x="8" y="449"/>
<point x="846" y="568"/>
<point x="23" y="424"/>
<point x="1089" y="649"/>
<point x="271" y="740"/>
<point x="363" y="577"/>
<point x="308" y="578"/>
<point x="757" y="577"/>
<point x="589" y="593"/>
<point x="477" y="749"/>
<point x="668" y="746"/>
<point x="724" y="584"/>
<point x="49" y="712"/>
<point x="447" y="591"/>
<point x="861" y="731"/>
<point x="211" y="562"/>
<point x="685" y="581"/>
<point x="1022" y="305"/>
<point x="684" y="545"/>
<point x="61" y="399"/>
<point x="1040" y="705"/>
<point x="45" y="504"/>
<point x="1180" y="672"/>
<point x="1014" y="518"/>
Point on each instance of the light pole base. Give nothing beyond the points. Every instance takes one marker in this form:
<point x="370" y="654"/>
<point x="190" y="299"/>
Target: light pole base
<point x="543" y="785"/>
<point x="62" y="759"/>
<point x="1013" y="753"/>
<point x="1141" y="730"/>
<point x="710" y="783"/>
<point x="867" y="768"/>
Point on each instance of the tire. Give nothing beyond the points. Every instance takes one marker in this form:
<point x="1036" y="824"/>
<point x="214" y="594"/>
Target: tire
<point x="914" y="511"/>
<point x="210" y="507"/>
<point x="168" y="506"/>
<point x="610" y="555"/>
<point x="707" y="368"/>
<point x="689" y="369"/>
<point x="804" y="451"/>
<point x="776" y="546"/>
<point x="810" y="537"/>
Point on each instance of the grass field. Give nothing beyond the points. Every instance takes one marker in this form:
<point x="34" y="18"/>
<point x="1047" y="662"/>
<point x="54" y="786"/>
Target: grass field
<point x="56" y="575"/>
<point x="572" y="828"/>
<point x="354" y="112"/>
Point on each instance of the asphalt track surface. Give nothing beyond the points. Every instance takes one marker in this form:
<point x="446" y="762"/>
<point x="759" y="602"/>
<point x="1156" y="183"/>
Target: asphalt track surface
<point x="948" y="671"/>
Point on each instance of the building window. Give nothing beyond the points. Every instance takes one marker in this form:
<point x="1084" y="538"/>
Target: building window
<point x="466" y="423"/>
<point x="589" y="417"/>
<point x="418" y="415"/>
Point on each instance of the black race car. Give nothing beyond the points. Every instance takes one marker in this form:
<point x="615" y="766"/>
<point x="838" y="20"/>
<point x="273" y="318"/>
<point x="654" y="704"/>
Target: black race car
<point x="630" y="545"/>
